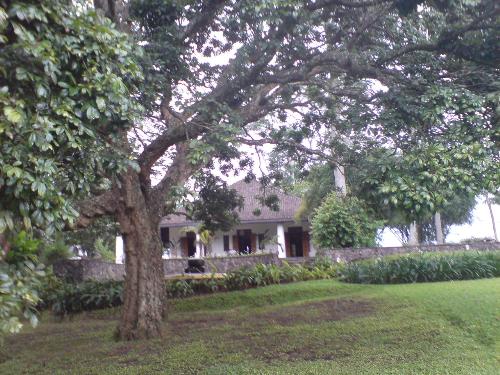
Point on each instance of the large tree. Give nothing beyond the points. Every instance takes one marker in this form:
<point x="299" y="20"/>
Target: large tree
<point x="219" y="74"/>
<point x="222" y="73"/>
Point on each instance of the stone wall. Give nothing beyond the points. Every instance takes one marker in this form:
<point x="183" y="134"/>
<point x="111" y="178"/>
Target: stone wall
<point x="350" y="254"/>
<point x="88" y="269"/>
<point x="94" y="269"/>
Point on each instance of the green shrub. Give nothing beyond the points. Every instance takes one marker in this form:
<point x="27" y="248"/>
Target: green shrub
<point x="90" y="295"/>
<point x="22" y="248"/>
<point x="104" y="251"/>
<point x="179" y="289"/>
<point x="424" y="267"/>
<point x="20" y="285"/>
<point x="343" y="222"/>
<point x="55" y="251"/>
<point x="64" y="298"/>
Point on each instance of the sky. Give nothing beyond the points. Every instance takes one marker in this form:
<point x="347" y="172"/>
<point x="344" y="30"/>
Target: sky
<point x="480" y="227"/>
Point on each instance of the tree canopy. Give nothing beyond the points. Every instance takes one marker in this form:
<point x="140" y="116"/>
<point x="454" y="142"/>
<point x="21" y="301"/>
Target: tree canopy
<point x="320" y="80"/>
<point x="66" y="84"/>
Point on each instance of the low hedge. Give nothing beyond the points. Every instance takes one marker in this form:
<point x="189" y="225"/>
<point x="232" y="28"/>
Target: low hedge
<point x="66" y="298"/>
<point x="424" y="267"/>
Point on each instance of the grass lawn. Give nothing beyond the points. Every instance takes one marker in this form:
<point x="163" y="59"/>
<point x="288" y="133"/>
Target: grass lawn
<point x="315" y="327"/>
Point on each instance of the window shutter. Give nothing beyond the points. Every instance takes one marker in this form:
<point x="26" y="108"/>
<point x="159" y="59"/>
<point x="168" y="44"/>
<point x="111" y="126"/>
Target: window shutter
<point x="287" y="244"/>
<point x="305" y="243"/>
<point x="184" y="246"/>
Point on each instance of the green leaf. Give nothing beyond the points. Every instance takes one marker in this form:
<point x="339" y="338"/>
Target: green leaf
<point x="13" y="115"/>
<point x="92" y="113"/>
<point x="101" y="103"/>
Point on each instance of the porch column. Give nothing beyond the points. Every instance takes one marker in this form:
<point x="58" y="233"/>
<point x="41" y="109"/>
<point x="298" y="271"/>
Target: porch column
<point x="280" y="231"/>
<point x="198" y="246"/>
<point x="119" y="250"/>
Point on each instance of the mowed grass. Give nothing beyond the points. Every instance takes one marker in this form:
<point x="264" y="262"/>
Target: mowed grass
<point x="315" y="327"/>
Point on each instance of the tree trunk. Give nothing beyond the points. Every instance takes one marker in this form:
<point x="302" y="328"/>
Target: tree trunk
<point x="439" y="228"/>
<point x="413" y="238"/>
<point x="488" y="202"/>
<point x="144" y="294"/>
<point x="340" y="182"/>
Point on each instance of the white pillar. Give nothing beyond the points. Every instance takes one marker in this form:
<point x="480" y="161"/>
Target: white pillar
<point x="198" y="246"/>
<point x="413" y="238"/>
<point x="119" y="250"/>
<point x="280" y="231"/>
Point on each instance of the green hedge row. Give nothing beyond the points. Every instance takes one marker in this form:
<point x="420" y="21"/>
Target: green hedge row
<point x="424" y="267"/>
<point x="65" y="298"/>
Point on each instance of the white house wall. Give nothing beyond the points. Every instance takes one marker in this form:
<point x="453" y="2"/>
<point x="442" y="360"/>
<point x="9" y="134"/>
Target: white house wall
<point x="217" y="247"/>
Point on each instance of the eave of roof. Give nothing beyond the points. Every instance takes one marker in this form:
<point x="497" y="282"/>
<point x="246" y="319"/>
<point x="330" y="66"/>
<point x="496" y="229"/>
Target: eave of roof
<point x="288" y="205"/>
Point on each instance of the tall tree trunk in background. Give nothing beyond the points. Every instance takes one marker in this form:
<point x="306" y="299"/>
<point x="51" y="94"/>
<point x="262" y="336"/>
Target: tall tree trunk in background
<point x="439" y="228"/>
<point x="488" y="202"/>
<point x="144" y="302"/>
<point x="413" y="237"/>
<point x="340" y="181"/>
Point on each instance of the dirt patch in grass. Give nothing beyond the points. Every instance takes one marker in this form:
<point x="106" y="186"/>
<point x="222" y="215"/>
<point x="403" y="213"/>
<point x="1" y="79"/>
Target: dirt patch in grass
<point x="259" y="335"/>
<point x="317" y="312"/>
<point x="305" y="313"/>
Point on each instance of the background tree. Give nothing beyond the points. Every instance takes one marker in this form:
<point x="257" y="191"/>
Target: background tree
<point x="314" y="60"/>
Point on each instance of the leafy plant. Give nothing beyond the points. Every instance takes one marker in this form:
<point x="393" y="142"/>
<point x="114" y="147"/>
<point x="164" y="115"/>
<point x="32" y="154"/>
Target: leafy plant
<point x="55" y="251"/>
<point x="19" y="294"/>
<point x="64" y="298"/>
<point x="343" y="222"/>
<point x="103" y="250"/>
<point x="424" y="267"/>
<point x="23" y="247"/>
<point x="90" y="295"/>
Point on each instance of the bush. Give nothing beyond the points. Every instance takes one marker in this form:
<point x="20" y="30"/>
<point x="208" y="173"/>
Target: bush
<point x="64" y="298"/>
<point x="343" y="222"/>
<point x="22" y="248"/>
<point x="424" y="267"/>
<point x="103" y="250"/>
<point x="58" y="250"/>
<point x="90" y="295"/>
<point x="19" y="294"/>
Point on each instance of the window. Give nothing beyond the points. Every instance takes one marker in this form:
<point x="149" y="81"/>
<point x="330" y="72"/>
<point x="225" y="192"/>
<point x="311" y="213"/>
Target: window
<point x="226" y="243"/>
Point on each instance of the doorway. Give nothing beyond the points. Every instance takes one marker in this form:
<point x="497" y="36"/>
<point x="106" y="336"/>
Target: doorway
<point x="244" y="241"/>
<point x="191" y="244"/>
<point x="295" y="238"/>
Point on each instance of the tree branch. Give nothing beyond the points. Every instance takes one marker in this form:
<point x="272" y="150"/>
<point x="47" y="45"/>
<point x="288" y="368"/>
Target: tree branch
<point x="92" y="208"/>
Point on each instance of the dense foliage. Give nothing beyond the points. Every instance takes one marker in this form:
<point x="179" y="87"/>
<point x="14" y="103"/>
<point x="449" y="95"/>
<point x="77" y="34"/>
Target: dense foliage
<point x="69" y="298"/>
<point x="66" y="298"/>
<point x="21" y="281"/>
<point x="66" y="80"/>
<point x="343" y="222"/>
<point x="424" y="267"/>
<point x="20" y="285"/>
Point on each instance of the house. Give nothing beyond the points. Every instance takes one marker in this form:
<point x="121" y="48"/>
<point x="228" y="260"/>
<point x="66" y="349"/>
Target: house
<point x="262" y="231"/>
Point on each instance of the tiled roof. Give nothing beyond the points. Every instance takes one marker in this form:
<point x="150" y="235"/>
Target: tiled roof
<point x="288" y="205"/>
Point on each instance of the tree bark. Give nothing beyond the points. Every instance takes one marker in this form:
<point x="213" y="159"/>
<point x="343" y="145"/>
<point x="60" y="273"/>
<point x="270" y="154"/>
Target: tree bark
<point x="439" y="228"/>
<point x="488" y="202"/>
<point x="340" y="182"/>
<point x="144" y="295"/>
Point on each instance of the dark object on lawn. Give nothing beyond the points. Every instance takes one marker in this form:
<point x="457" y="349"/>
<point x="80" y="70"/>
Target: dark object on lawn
<point x="195" y="266"/>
